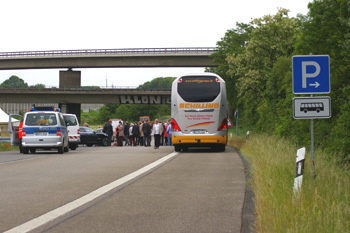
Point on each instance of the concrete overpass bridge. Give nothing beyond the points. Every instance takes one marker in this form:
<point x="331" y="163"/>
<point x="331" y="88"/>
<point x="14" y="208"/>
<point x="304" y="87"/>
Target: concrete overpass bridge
<point x="108" y="58"/>
<point x="70" y="99"/>
<point x="84" y="96"/>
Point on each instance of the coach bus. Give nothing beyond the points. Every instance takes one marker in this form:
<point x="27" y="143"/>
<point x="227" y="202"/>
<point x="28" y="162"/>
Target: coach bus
<point x="199" y="111"/>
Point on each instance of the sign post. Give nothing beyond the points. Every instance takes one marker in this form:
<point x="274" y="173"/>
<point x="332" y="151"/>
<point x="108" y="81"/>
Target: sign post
<point x="236" y="116"/>
<point x="311" y="75"/>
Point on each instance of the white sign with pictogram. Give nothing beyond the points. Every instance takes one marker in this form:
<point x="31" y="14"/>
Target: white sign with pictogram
<point x="311" y="107"/>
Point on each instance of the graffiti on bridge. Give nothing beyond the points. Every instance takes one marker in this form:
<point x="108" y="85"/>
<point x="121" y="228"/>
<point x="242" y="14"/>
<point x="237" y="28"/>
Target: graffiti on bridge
<point x="143" y="99"/>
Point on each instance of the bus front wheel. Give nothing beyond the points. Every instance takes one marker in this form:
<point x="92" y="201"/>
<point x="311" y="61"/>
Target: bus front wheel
<point x="177" y="148"/>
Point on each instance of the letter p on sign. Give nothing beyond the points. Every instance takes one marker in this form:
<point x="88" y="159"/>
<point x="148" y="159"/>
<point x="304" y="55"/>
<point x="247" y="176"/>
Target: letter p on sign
<point x="305" y="75"/>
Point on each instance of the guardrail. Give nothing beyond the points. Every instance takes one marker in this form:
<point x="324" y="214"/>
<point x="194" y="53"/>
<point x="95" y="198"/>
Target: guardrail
<point x="82" y="52"/>
<point x="5" y="139"/>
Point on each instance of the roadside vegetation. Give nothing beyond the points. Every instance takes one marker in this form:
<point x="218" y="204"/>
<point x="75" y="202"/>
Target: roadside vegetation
<point x="6" y="146"/>
<point x="324" y="201"/>
<point x="255" y="59"/>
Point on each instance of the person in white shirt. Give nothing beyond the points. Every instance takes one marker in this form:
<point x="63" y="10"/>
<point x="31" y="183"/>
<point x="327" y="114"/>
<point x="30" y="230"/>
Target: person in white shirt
<point x="131" y="136"/>
<point x="157" y="130"/>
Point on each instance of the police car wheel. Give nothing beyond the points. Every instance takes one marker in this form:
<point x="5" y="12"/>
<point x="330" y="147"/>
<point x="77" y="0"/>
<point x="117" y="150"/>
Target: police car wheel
<point x="21" y="149"/>
<point x="60" y="150"/>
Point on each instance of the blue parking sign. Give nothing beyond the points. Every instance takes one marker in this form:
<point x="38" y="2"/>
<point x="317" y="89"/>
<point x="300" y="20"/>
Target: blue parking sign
<point x="311" y="74"/>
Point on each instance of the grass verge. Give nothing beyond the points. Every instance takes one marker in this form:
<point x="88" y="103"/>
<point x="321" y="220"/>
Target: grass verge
<point x="6" y="146"/>
<point x="324" y="201"/>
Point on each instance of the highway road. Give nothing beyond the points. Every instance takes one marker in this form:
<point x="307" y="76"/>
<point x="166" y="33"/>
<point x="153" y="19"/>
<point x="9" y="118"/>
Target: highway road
<point x="122" y="189"/>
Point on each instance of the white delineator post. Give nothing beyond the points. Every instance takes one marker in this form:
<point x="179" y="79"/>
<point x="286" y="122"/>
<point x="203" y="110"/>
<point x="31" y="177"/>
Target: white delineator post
<point x="299" y="170"/>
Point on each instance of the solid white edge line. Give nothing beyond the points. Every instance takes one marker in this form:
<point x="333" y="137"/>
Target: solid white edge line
<point x="60" y="211"/>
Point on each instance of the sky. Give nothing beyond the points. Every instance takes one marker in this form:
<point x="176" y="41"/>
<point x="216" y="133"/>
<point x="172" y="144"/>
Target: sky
<point x="38" y="25"/>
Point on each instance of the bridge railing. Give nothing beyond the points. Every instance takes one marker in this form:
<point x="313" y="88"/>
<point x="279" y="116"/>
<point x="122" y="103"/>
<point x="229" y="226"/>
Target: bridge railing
<point x="125" y="51"/>
<point x="79" y="89"/>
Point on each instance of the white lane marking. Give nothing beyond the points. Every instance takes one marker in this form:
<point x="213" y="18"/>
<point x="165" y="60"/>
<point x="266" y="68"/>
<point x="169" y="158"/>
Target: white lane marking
<point x="56" y="213"/>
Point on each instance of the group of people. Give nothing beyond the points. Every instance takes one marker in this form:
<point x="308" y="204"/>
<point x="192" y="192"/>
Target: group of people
<point x="139" y="133"/>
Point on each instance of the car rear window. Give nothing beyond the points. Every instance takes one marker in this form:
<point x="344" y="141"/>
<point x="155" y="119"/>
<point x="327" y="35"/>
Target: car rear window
<point x="70" y="120"/>
<point x="41" y="119"/>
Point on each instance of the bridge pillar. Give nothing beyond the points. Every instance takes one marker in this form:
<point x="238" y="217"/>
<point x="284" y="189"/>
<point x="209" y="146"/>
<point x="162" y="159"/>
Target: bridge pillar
<point x="71" y="108"/>
<point x="70" y="79"/>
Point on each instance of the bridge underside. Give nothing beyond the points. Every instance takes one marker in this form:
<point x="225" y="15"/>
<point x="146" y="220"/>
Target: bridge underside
<point x="107" y="62"/>
<point x="70" y="100"/>
<point x="75" y="95"/>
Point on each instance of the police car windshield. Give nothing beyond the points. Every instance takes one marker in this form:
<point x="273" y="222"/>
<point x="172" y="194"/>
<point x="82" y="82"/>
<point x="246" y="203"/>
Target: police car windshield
<point x="41" y="119"/>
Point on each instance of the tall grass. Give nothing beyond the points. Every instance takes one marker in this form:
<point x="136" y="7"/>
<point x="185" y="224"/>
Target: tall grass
<point x="6" y="146"/>
<point x="324" y="201"/>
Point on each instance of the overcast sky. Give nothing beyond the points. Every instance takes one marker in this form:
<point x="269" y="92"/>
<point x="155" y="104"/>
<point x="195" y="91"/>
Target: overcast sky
<point x="107" y="24"/>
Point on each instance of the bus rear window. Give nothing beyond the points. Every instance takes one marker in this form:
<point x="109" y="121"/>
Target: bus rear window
<point x="198" y="88"/>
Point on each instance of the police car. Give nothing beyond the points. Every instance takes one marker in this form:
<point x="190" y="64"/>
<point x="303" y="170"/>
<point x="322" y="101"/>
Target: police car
<point x="42" y="128"/>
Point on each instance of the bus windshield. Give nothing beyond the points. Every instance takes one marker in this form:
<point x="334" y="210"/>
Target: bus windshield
<point x="198" y="88"/>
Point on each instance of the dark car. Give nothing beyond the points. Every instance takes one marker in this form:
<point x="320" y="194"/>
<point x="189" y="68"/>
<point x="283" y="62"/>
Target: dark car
<point x="100" y="131"/>
<point x="90" y="137"/>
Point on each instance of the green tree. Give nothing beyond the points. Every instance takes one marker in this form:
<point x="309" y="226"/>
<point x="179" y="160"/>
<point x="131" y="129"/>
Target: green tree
<point x="106" y="112"/>
<point x="39" y="85"/>
<point x="90" y="87"/>
<point x="232" y="44"/>
<point x="161" y="83"/>
<point x="14" y="82"/>
<point x="270" y="38"/>
<point x="326" y="30"/>
<point x="339" y="138"/>
<point x="90" y="117"/>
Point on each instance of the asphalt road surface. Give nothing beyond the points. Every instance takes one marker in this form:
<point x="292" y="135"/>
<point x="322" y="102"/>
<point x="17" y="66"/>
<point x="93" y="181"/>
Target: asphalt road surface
<point x="122" y="189"/>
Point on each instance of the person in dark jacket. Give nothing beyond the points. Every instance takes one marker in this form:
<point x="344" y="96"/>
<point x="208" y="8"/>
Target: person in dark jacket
<point x="147" y="129"/>
<point x="141" y="141"/>
<point x="108" y="129"/>
<point x="126" y="133"/>
<point x="120" y="132"/>
<point x="135" y="133"/>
